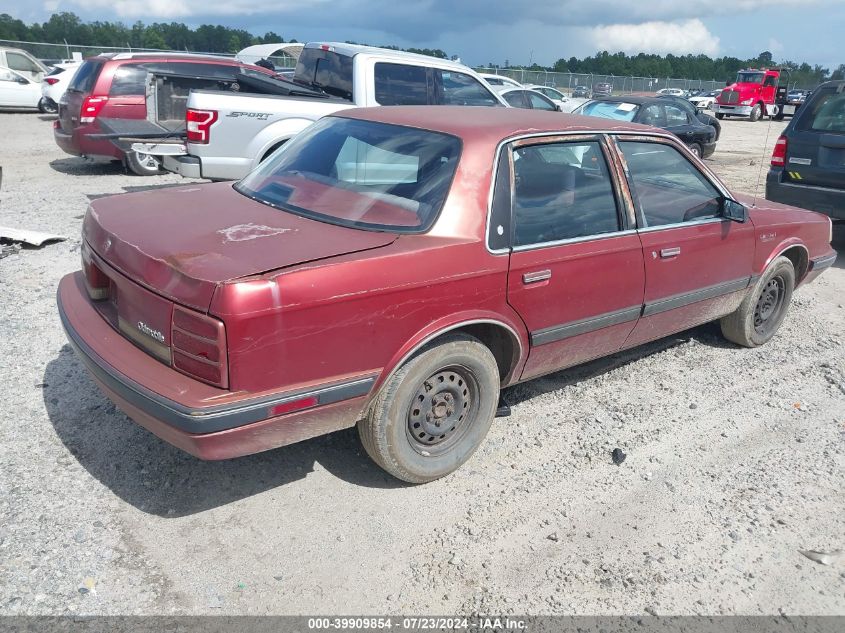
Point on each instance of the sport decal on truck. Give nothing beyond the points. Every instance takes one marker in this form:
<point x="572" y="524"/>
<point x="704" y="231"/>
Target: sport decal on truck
<point x="260" y="116"/>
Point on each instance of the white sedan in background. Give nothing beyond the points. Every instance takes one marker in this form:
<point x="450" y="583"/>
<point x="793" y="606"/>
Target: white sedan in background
<point x="497" y="81"/>
<point x="55" y="84"/>
<point x="17" y="91"/>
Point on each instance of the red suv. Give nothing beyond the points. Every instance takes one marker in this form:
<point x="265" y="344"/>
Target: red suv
<point x="113" y="86"/>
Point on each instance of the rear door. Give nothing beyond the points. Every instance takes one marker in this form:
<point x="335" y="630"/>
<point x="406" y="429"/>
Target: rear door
<point x="698" y="264"/>
<point x="816" y="145"/>
<point x="576" y="267"/>
<point x="79" y="87"/>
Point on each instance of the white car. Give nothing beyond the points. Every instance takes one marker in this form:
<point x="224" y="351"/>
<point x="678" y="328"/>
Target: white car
<point x="524" y="97"/>
<point x="17" y="91"/>
<point x="497" y="81"/>
<point x="672" y="92"/>
<point x="55" y="84"/>
<point x="552" y="93"/>
<point x="704" y="101"/>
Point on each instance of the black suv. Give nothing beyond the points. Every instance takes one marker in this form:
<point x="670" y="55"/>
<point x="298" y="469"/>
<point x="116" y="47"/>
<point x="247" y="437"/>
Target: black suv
<point x="808" y="162"/>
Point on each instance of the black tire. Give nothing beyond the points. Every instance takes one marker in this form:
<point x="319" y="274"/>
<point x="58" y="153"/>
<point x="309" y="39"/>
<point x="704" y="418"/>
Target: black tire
<point x="143" y="164"/>
<point x="780" y="112"/>
<point x="47" y="106"/>
<point x="756" y="113"/>
<point x="450" y="386"/>
<point x="762" y="311"/>
<point x="695" y="148"/>
<point x="720" y="116"/>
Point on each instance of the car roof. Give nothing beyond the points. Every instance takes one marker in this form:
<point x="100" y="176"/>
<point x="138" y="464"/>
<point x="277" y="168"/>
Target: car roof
<point x="351" y="50"/>
<point x="632" y="99"/>
<point x="490" y="124"/>
<point x="169" y="55"/>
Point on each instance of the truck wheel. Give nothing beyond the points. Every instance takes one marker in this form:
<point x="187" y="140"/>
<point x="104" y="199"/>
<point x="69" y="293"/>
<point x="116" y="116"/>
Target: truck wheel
<point x="779" y="113"/>
<point x="762" y="311"/>
<point x="433" y="413"/>
<point x="143" y="164"/>
<point x="720" y="116"/>
<point x="756" y="113"/>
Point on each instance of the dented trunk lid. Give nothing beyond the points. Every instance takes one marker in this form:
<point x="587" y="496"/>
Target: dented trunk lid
<point x="182" y="242"/>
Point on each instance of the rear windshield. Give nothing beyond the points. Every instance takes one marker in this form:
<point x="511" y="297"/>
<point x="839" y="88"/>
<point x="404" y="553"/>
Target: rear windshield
<point x="57" y="70"/>
<point x="86" y="76"/>
<point x="826" y="112"/>
<point x="611" y="110"/>
<point x="325" y="70"/>
<point x="361" y="174"/>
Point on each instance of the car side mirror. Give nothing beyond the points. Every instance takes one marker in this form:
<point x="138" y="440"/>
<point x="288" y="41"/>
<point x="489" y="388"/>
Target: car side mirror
<point x="22" y="80"/>
<point x="734" y="211"/>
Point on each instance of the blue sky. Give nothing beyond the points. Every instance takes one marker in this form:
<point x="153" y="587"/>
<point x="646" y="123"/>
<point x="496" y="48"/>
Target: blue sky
<point x="482" y="31"/>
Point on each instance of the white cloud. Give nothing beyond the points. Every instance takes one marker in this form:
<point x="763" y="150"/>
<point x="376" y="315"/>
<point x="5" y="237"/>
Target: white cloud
<point x="680" y="38"/>
<point x="775" y="46"/>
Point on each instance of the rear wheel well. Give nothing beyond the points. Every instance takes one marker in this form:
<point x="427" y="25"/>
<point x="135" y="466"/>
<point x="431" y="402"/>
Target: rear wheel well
<point x="499" y="340"/>
<point x="272" y="149"/>
<point x="800" y="261"/>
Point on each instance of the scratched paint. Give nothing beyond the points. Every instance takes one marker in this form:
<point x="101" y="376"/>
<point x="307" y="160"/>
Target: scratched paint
<point x="244" y="232"/>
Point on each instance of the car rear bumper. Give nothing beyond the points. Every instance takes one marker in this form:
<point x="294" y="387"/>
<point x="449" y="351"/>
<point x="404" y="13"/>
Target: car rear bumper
<point x="825" y="200"/>
<point x="185" y="166"/>
<point x="735" y="110"/>
<point x="204" y="421"/>
<point x="77" y="144"/>
<point x="707" y="149"/>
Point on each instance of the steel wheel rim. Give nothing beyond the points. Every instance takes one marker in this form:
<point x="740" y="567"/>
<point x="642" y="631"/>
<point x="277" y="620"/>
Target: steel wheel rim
<point x="769" y="305"/>
<point x="442" y="410"/>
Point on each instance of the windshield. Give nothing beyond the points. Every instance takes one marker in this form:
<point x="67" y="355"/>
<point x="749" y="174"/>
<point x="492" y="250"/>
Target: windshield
<point x="749" y="78"/>
<point x="611" y="110"/>
<point x="359" y="173"/>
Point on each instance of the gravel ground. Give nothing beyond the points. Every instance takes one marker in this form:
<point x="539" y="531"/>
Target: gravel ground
<point x="735" y="463"/>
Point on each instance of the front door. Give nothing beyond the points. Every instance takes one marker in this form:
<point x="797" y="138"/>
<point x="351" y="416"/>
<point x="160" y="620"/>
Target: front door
<point x="698" y="264"/>
<point x="576" y="269"/>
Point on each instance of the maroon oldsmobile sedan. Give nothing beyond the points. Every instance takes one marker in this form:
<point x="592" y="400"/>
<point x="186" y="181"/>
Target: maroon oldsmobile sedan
<point x="394" y="268"/>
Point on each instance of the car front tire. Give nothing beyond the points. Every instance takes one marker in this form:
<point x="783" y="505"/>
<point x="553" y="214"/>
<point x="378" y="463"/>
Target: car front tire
<point x="756" y="113"/>
<point x="434" y="412"/>
<point x="762" y="311"/>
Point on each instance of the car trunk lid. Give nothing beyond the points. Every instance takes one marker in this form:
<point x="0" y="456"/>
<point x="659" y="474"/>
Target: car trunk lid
<point x="182" y="242"/>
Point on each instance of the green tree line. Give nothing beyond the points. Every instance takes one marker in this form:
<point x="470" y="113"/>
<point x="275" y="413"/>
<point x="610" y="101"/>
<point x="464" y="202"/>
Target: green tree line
<point x="68" y="27"/>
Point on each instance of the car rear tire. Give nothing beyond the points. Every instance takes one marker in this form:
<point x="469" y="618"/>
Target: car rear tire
<point x="434" y="412"/>
<point x="756" y="113"/>
<point x="47" y="106"/>
<point x="720" y="116"/>
<point x="762" y="311"/>
<point x="143" y="164"/>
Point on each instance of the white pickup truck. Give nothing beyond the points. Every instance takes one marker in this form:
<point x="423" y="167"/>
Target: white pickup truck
<point x="229" y="132"/>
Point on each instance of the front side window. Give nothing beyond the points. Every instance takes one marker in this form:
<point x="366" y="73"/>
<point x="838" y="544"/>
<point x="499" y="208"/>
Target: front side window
<point x="359" y="174"/>
<point x="461" y="89"/>
<point x="19" y="62"/>
<point x="668" y="188"/>
<point x="401" y="84"/>
<point x="562" y="191"/>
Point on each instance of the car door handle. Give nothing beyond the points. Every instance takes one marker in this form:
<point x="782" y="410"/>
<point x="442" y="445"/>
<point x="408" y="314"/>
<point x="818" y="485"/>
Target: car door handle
<point x="670" y="252"/>
<point x="539" y="275"/>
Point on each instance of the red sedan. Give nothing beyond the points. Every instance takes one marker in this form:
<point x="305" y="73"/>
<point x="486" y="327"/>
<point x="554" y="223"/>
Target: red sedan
<point x="396" y="267"/>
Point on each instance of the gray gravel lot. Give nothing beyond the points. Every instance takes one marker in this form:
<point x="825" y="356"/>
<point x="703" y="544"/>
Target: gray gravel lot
<point x="735" y="463"/>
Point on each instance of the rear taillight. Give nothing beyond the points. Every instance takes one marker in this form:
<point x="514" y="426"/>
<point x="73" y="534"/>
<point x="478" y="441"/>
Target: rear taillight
<point x="51" y="80"/>
<point x="96" y="282"/>
<point x="91" y="107"/>
<point x="198" y="347"/>
<point x="198" y="123"/>
<point x="779" y="153"/>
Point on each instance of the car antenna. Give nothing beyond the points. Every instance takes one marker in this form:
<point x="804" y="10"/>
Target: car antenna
<point x="765" y="145"/>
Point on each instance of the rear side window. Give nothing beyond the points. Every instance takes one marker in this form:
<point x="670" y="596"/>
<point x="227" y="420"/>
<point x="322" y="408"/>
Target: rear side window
<point x="129" y="80"/>
<point x="515" y="98"/>
<point x="326" y="70"/>
<point x="562" y="191"/>
<point x="827" y="113"/>
<point x="539" y="103"/>
<point x="456" y="88"/>
<point x="86" y="76"/>
<point x="401" y="84"/>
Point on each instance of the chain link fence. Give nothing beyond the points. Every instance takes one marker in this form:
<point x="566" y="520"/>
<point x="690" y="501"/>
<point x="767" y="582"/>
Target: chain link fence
<point x="619" y="84"/>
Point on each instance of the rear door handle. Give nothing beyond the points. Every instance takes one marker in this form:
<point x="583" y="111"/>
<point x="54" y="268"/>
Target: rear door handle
<point x="539" y="275"/>
<point x="670" y="252"/>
